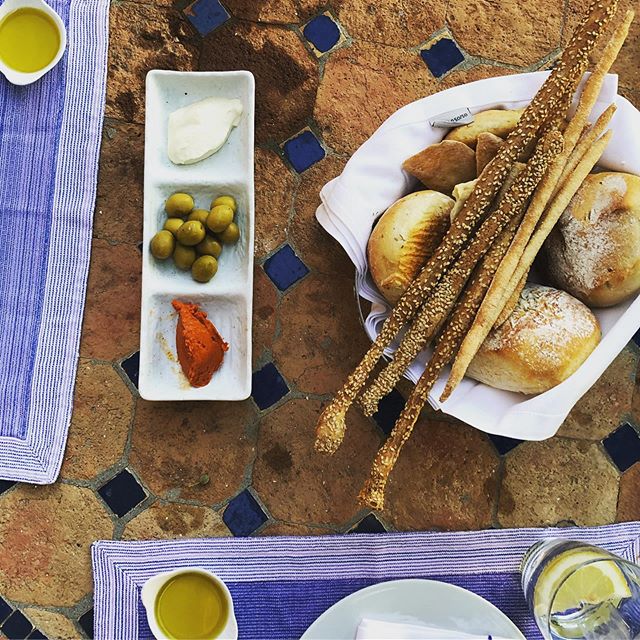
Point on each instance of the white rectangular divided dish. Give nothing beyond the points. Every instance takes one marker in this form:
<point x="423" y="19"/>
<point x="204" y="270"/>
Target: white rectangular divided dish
<point x="227" y="298"/>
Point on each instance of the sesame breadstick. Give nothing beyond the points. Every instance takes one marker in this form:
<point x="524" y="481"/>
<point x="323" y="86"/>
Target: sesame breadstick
<point x="544" y="106"/>
<point x="478" y="332"/>
<point x="512" y="302"/>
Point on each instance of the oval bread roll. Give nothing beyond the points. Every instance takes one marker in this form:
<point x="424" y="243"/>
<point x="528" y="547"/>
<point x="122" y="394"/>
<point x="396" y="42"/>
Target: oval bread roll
<point x="546" y="338"/>
<point x="405" y="236"/>
<point x="500" y="122"/>
<point x="594" y="250"/>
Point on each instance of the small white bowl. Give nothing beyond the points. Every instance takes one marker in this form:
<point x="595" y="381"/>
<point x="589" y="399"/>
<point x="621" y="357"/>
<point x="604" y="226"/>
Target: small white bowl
<point x="20" y="77"/>
<point x="152" y="587"/>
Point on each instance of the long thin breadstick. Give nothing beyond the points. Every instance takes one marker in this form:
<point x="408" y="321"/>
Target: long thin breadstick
<point x="512" y="302"/>
<point x="544" y="106"/>
<point x="478" y="332"/>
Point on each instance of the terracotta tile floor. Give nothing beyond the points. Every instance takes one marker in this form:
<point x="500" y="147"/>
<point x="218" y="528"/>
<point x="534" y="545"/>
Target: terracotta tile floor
<point x="328" y="72"/>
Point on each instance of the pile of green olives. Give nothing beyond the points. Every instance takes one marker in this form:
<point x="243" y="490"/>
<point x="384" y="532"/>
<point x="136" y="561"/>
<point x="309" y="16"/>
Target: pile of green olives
<point x="194" y="237"/>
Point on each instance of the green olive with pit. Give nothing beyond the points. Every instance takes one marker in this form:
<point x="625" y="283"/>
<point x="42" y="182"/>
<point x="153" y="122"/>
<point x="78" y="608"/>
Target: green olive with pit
<point x="220" y="218"/>
<point x="230" y="235"/>
<point x="162" y="245"/>
<point x="204" y="268"/>
<point x="200" y="215"/>
<point x="179" y="205"/>
<point x="209" y="247"/>
<point x="173" y="224"/>
<point x="191" y="233"/>
<point x="229" y="201"/>
<point x="184" y="257"/>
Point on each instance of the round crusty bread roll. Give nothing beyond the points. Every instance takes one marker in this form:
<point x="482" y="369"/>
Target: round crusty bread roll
<point x="546" y="338"/>
<point x="406" y="234"/>
<point x="594" y="250"/>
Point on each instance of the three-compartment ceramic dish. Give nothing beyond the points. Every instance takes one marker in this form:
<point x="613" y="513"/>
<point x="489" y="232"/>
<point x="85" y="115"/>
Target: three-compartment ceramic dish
<point x="227" y="298"/>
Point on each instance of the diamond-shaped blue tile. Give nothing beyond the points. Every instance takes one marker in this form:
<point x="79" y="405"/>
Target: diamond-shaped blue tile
<point x="636" y="338"/>
<point x="122" y="493"/>
<point x="389" y="410"/>
<point x="623" y="445"/>
<point x="36" y="634"/>
<point x="370" y="524"/>
<point x="504" y="444"/>
<point x="268" y="386"/>
<point x="322" y="32"/>
<point x="86" y="622"/>
<point x="243" y="514"/>
<point x="285" y="268"/>
<point x="206" y="15"/>
<point x="5" y="485"/>
<point x="303" y="151"/>
<point x="5" y="610"/>
<point x="441" y="56"/>
<point x="131" y="367"/>
<point x="16" y="626"/>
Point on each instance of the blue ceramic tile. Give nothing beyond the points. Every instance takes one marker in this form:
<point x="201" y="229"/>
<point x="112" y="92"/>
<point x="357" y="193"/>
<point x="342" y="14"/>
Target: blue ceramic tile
<point x="131" y="367"/>
<point x="243" y="514"/>
<point x="322" y="32"/>
<point x="303" y="151"/>
<point x="636" y="338"/>
<point x="5" y="485"/>
<point x="206" y="15"/>
<point x="5" y="610"/>
<point x="389" y="409"/>
<point x="370" y="524"/>
<point x="36" y="634"/>
<point x="504" y="444"/>
<point x="268" y="386"/>
<point x="442" y="56"/>
<point x="86" y="622"/>
<point x="285" y="268"/>
<point x="16" y="626"/>
<point x="122" y="493"/>
<point x="623" y="445"/>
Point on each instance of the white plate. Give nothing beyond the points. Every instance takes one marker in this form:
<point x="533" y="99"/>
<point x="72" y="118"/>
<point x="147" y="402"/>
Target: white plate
<point x="413" y="601"/>
<point x="227" y="298"/>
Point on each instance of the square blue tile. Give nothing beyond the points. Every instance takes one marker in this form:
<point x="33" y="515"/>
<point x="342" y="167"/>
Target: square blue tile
<point x="284" y="268"/>
<point x="303" y="151"/>
<point x="623" y="445"/>
<point x="131" y="367"/>
<point x="5" y="485"/>
<point x="370" y="524"/>
<point x="86" y="622"/>
<point x="16" y="626"/>
<point x="5" y="610"/>
<point x="243" y="514"/>
<point x="504" y="444"/>
<point x="206" y="15"/>
<point x="268" y="386"/>
<point x="122" y="493"/>
<point x="36" y="634"/>
<point x="322" y="32"/>
<point x="389" y="410"/>
<point x="442" y="56"/>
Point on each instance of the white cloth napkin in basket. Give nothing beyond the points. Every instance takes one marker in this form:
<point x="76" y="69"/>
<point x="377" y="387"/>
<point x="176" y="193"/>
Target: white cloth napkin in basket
<point x="373" y="179"/>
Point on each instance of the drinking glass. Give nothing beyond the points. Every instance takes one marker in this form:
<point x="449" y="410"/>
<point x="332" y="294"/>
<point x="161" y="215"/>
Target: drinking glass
<point x="580" y="592"/>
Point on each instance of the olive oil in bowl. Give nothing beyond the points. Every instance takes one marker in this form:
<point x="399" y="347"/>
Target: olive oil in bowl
<point x="29" y="40"/>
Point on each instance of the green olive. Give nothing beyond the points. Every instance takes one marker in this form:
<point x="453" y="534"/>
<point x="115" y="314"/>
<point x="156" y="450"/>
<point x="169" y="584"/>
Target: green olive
<point x="162" y="245"/>
<point x="220" y="218"/>
<point x="230" y="235"/>
<point x="179" y="205"/>
<point x="173" y="224"/>
<point x="229" y="201"/>
<point x="184" y="257"/>
<point x="209" y="247"/>
<point x="190" y="233"/>
<point x="204" y="268"/>
<point x="200" y="215"/>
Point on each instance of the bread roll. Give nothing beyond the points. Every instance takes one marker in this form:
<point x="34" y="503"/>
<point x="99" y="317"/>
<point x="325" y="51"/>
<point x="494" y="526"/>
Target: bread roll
<point x="594" y="250"/>
<point x="546" y="338"/>
<point x="500" y="122"/>
<point x="487" y="148"/>
<point x="404" y="237"/>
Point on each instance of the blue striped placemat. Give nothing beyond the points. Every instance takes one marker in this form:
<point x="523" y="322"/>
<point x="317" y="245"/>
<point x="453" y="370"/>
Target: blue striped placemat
<point x="50" y="135"/>
<point x="281" y="585"/>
